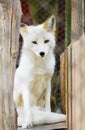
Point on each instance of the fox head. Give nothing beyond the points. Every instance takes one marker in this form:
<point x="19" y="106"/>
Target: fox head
<point x="39" y="39"/>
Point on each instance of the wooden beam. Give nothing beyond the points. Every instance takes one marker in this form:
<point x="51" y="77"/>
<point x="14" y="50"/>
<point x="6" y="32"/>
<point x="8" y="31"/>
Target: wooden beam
<point x="48" y="127"/>
<point x="10" y="13"/>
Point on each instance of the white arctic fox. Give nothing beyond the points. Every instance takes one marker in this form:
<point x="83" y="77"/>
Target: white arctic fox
<point x="32" y="82"/>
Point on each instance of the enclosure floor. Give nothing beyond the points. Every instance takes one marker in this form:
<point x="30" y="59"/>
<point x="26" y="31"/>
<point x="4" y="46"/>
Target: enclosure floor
<point x="47" y="127"/>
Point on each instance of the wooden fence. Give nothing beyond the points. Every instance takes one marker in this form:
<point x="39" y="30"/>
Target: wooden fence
<point x="9" y="34"/>
<point x="73" y="79"/>
<point x="73" y="70"/>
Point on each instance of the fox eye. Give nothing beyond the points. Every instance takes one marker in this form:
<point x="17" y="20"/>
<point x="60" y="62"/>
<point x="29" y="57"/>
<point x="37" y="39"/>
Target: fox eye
<point x="46" y="41"/>
<point x="34" y="42"/>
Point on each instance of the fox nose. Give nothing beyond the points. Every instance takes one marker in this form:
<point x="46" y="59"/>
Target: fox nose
<point x="42" y="54"/>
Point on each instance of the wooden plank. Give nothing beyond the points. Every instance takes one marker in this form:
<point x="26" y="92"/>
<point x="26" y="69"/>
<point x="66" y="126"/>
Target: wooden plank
<point x="74" y="113"/>
<point x="76" y="85"/>
<point x="1" y="93"/>
<point x="82" y="82"/>
<point x="63" y="77"/>
<point x="76" y="20"/>
<point x="47" y="127"/>
<point x="9" y="34"/>
<point x="78" y="105"/>
<point x="69" y="87"/>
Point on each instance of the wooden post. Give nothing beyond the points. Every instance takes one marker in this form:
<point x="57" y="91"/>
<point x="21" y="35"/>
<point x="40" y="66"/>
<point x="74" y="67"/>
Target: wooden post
<point x="76" y="19"/>
<point x="69" y="87"/>
<point x="63" y="74"/>
<point x="76" y="85"/>
<point x="10" y="13"/>
<point x="74" y="112"/>
<point x="76" y="69"/>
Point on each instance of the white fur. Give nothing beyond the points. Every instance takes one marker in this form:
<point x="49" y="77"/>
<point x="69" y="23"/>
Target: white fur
<point x="33" y="78"/>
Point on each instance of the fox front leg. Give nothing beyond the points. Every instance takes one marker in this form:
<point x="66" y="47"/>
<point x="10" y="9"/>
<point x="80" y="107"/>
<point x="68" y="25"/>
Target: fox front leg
<point x="47" y="97"/>
<point x="27" y="123"/>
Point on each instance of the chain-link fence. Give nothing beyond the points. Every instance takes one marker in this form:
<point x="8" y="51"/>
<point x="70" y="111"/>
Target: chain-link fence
<point x="36" y="12"/>
<point x="42" y="9"/>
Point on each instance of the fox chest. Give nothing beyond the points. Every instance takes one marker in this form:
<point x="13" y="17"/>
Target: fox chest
<point x="38" y="90"/>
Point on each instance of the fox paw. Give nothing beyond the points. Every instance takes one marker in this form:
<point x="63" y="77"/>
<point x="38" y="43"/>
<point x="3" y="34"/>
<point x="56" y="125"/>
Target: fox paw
<point x="26" y="125"/>
<point x="19" y="121"/>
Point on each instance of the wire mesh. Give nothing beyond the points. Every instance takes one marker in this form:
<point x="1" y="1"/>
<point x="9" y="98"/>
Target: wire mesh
<point x="42" y="9"/>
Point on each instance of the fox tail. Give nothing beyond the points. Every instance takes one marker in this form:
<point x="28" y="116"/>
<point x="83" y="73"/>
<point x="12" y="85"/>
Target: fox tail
<point x="44" y="117"/>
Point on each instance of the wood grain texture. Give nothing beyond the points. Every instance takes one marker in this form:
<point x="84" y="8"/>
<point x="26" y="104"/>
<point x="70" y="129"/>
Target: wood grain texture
<point x="76" y="85"/>
<point x="75" y="114"/>
<point x="1" y="92"/>
<point x="9" y="33"/>
<point x="76" y="19"/>
<point x="82" y="81"/>
<point x="69" y="87"/>
<point x="63" y="77"/>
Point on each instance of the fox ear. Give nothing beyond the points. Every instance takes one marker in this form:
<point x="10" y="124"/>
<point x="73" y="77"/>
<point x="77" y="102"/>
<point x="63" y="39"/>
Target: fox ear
<point x="23" y="29"/>
<point x="50" y="24"/>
